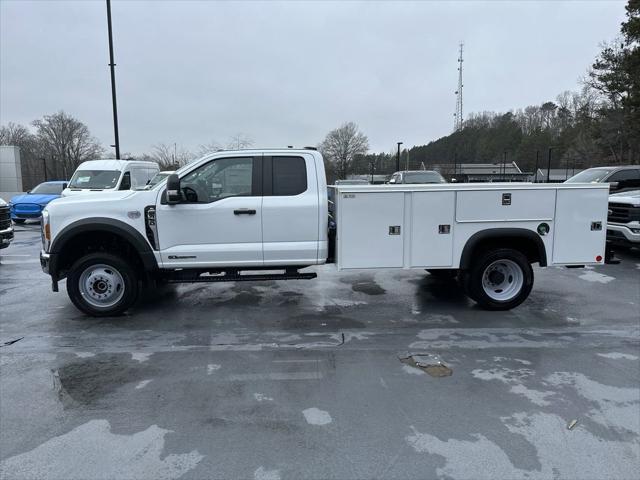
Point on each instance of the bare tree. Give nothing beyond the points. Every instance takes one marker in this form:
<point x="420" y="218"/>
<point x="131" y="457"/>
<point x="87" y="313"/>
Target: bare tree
<point x="210" y="147"/>
<point x="239" y="141"/>
<point x="341" y="146"/>
<point x="67" y="141"/>
<point x="170" y="157"/>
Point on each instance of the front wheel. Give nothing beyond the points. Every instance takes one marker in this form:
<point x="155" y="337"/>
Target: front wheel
<point x="500" y="279"/>
<point x="102" y="284"/>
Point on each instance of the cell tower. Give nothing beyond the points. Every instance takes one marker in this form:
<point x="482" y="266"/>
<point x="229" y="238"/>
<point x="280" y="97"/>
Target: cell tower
<point x="457" y="116"/>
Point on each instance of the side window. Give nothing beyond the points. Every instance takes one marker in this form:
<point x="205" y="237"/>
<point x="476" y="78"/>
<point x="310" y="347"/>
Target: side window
<point x="289" y="176"/>
<point x="125" y="184"/>
<point x="221" y="178"/>
<point x="623" y="175"/>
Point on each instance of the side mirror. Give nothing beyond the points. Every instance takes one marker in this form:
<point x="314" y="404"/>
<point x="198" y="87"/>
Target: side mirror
<point x="65" y="185"/>
<point x="28" y="191"/>
<point x="174" y="195"/>
<point x="614" y="185"/>
<point x="393" y="180"/>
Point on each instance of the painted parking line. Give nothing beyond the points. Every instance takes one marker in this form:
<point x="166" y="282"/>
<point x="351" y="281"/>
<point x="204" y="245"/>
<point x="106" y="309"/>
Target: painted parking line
<point x="276" y="376"/>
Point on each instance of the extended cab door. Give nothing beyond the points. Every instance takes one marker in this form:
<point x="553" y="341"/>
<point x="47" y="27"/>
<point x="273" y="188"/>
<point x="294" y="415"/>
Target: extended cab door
<point x="290" y="210"/>
<point x="219" y="223"/>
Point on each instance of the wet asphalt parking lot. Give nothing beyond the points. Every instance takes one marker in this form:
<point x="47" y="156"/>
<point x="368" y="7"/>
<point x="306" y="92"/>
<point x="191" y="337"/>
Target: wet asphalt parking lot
<point x="302" y="379"/>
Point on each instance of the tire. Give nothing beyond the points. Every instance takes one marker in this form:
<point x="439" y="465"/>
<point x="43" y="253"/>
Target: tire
<point x="19" y="221"/>
<point x="499" y="279"/>
<point x="444" y="273"/>
<point x="102" y="285"/>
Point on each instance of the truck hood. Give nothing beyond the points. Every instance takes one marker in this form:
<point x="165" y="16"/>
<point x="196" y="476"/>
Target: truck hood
<point x="631" y="197"/>
<point x="93" y="197"/>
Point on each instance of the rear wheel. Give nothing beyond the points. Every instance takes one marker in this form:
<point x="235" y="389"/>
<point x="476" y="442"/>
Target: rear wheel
<point x="500" y="279"/>
<point x="102" y="284"/>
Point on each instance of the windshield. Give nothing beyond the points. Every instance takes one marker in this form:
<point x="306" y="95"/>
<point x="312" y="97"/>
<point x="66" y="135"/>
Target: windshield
<point x="423" y="177"/>
<point x="592" y="175"/>
<point x="156" y="179"/>
<point x="48" y="189"/>
<point x="95" y="179"/>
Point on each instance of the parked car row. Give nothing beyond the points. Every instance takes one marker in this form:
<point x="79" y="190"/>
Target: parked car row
<point x="90" y="176"/>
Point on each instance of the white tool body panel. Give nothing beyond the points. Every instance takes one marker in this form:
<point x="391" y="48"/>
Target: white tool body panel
<point x="429" y="226"/>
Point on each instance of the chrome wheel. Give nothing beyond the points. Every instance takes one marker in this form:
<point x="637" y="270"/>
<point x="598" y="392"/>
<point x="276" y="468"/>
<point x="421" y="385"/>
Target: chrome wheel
<point x="101" y="286"/>
<point x="502" y="280"/>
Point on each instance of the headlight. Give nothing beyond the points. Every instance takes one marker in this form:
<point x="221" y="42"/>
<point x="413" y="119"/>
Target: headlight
<point x="45" y="231"/>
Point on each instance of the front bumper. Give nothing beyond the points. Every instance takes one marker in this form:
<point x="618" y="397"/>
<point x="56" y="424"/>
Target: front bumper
<point x="45" y="260"/>
<point x="25" y="215"/>
<point x="623" y="233"/>
<point x="48" y="264"/>
<point x="6" y="236"/>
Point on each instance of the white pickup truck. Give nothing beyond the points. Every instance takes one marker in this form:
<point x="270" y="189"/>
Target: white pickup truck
<point x="264" y="214"/>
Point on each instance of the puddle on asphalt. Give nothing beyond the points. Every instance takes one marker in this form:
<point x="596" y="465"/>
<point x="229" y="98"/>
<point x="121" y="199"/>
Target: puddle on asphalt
<point x="86" y="381"/>
<point x="428" y="363"/>
<point x="368" y="286"/>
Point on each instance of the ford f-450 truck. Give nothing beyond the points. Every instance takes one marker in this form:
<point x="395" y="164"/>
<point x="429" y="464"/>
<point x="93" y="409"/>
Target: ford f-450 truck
<point x="264" y="214"/>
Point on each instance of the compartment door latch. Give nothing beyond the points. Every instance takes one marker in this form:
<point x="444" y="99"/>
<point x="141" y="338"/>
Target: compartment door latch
<point x="394" y="229"/>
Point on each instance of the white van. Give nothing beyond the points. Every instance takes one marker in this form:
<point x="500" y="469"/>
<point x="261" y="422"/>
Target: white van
<point x="110" y="175"/>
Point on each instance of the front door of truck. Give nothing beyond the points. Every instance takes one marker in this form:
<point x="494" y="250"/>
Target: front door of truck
<point x="219" y="222"/>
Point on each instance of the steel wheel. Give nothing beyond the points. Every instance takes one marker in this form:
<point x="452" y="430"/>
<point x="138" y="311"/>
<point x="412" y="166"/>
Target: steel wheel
<point x="502" y="280"/>
<point x="101" y="285"/>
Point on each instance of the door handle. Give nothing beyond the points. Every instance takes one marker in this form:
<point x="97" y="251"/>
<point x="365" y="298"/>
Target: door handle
<point x="244" y="211"/>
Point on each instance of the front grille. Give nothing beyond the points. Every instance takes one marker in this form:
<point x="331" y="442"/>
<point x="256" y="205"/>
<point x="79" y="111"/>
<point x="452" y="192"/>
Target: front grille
<point x="27" y="208"/>
<point x="623" y="213"/>
<point x="5" y="217"/>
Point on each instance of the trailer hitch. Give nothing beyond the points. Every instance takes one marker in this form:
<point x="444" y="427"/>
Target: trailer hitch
<point x="609" y="255"/>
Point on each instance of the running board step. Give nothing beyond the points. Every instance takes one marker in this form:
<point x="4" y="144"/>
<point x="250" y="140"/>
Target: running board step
<point x="198" y="277"/>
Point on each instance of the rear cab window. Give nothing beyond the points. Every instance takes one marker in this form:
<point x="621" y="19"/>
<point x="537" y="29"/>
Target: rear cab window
<point x="289" y="176"/>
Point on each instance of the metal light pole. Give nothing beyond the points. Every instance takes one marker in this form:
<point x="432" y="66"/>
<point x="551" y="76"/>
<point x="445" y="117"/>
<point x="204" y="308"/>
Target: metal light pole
<point x="535" y="178"/>
<point x="504" y="166"/>
<point x="455" y="162"/>
<point x="112" y="65"/>
<point x="398" y="158"/>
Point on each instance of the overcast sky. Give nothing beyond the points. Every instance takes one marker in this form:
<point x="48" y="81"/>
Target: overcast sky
<point x="286" y="73"/>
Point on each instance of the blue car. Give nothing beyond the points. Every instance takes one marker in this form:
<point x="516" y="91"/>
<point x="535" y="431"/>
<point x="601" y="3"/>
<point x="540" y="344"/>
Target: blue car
<point x="30" y="204"/>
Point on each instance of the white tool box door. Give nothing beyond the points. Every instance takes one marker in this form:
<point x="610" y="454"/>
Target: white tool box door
<point x="370" y="229"/>
<point x="578" y="238"/>
<point x="432" y="229"/>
